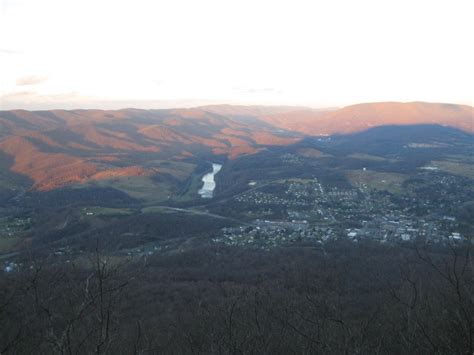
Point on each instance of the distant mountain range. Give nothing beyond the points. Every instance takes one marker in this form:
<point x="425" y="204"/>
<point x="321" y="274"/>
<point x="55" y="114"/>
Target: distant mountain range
<point x="57" y="148"/>
<point x="360" y="117"/>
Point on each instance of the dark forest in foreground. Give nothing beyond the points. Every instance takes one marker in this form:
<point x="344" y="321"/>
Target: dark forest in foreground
<point x="340" y="298"/>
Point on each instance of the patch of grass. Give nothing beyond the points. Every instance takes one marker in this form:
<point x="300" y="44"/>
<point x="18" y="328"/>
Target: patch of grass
<point x="297" y="180"/>
<point x="461" y="169"/>
<point x="459" y="158"/>
<point x="150" y="189"/>
<point x="107" y="211"/>
<point x="363" y="156"/>
<point x="154" y="209"/>
<point x="312" y="153"/>
<point x="140" y="187"/>
<point x="8" y="243"/>
<point x="191" y="192"/>
<point x="375" y="180"/>
<point x="179" y="170"/>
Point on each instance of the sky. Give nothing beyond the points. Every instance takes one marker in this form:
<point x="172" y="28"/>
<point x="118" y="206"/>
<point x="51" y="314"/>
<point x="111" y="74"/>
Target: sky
<point x="177" y="53"/>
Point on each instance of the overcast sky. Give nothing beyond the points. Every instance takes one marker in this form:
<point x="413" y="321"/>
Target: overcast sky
<point x="114" y="54"/>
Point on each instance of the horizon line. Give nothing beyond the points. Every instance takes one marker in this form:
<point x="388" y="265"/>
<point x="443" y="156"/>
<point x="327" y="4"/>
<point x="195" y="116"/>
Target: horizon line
<point x="184" y="106"/>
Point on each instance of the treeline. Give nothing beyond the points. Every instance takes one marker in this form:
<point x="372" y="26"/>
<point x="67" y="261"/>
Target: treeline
<point x="344" y="298"/>
<point x="119" y="232"/>
<point x="85" y="196"/>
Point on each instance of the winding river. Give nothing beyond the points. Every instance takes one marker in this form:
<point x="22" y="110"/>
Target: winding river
<point x="207" y="189"/>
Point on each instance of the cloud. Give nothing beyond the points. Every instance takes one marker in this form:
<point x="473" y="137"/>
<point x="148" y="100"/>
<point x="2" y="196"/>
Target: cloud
<point x="19" y="94"/>
<point x="9" y="51"/>
<point x="31" y="80"/>
<point x="158" y="82"/>
<point x="249" y="90"/>
<point x="32" y="100"/>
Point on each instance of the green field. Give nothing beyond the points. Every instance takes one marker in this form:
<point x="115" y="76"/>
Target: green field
<point x="154" y="209"/>
<point x="106" y="211"/>
<point x="8" y="243"/>
<point x="461" y="169"/>
<point x="191" y="192"/>
<point x="12" y="232"/>
<point x="374" y="180"/>
<point x="140" y="187"/>
<point x="363" y="156"/>
<point x="152" y="189"/>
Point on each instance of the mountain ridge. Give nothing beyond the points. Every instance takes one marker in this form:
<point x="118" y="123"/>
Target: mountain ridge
<point x="358" y="117"/>
<point x="57" y="148"/>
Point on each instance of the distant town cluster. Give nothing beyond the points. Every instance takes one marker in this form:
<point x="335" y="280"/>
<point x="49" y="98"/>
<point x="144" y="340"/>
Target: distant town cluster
<point x="309" y="211"/>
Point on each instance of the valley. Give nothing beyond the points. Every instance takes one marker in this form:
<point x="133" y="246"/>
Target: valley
<point x="369" y="185"/>
<point x="234" y="217"/>
<point x="236" y="177"/>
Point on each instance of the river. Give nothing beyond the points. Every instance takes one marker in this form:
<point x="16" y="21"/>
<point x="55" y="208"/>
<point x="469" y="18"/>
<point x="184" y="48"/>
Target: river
<point x="207" y="189"/>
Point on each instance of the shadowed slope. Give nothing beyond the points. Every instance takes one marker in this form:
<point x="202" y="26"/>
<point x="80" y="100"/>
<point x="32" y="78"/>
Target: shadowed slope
<point x="59" y="147"/>
<point x="360" y="117"/>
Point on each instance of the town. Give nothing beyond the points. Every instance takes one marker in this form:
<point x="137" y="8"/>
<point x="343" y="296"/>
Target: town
<point x="307" y="211"/>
